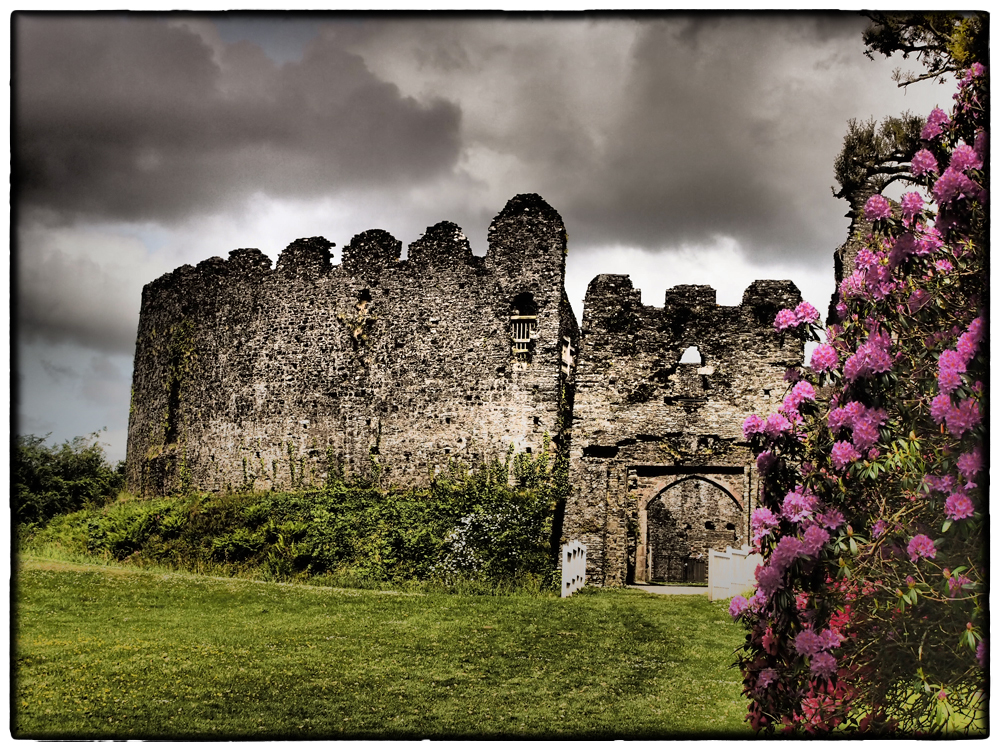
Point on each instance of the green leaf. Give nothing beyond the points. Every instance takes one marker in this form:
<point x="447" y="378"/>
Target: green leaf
<point x="946" y="525"/>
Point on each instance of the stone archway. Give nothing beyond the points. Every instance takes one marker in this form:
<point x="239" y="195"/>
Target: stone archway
<point x="680" y="523"/>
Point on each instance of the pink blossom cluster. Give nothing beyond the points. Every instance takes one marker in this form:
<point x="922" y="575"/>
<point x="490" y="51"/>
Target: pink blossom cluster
<point x="921" y="545"/>
<point x="923" y="162"/>
<point x="937" y="120"/>
<point x="969" y="465"/>
<point x="877" y="207"/>
<point x="801" y="391"/>
<point x="871" y="358"/>
<point x="824" y="358"/>
<point x="816" y="646"/>
<point x="842" y="454"/>
<point x="953" y="185"/>
<point x="803" y="313"/>
<point x="912" y="204"/>
<point x="961" y="418"/>
<point x="958" y="506"/>
<point x="762" y="522"/>
<point x="956" y="582"/>
<point x="798" y="505"/>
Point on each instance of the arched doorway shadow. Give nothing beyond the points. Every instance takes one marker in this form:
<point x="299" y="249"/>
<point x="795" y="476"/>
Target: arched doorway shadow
<point x="679" y="523"/>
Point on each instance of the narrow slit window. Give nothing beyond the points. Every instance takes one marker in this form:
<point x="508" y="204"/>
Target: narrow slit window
<point x="523" y="326"/>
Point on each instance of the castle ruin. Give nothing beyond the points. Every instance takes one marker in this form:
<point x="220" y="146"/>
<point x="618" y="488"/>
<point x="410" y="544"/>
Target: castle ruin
<point x="249" y="377"/>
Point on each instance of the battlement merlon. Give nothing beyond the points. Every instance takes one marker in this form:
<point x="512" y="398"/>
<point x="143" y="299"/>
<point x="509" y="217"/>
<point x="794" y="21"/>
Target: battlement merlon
<point x="443" y="244"/>
<point x="368" y="254"/>
<point x="527" y="241"/>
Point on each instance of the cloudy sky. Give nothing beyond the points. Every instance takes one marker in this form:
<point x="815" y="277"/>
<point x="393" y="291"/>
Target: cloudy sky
<point x="678" y="149"/>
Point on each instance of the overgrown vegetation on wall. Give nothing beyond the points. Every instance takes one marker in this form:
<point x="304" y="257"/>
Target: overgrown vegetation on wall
<point x="466" y="527"/>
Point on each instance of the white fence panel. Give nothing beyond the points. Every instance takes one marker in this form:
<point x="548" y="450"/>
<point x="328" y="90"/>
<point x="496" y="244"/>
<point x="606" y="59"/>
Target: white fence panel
<point x="731" y="572"/>
<point x="574" y="567"/>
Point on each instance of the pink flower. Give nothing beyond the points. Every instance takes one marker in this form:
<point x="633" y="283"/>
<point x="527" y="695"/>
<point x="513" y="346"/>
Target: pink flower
<point x="935" y="120"/>
<point x="769" y="579"/>
<point x="823" y="665"/>
<point x="831" y="519"/>
<point x="921" y="546"/>
<point x="963" y="418"/>
<point x="951" y="365"/>
<point x="766" y="677"/>
<point x="958" y="506"/>
<point x="806" y="313"/>
<point x="842" y="454"/>
<point x="879" y="528"/>
<point x="752" y="425"/>
<point x="940" y="407"/>
<point x="865" y="433"/>
<point x="798" y="506"/>
<point x="912" y="204"/>
<point x="824" y="357"/>
<point x="808" y="642"/>
<point x="871" y="358"/>
<point x="955" y="584"/>
<point x="964" y="158"/>
<point x="923" y="162"/>
<point x="737" y="606"/>
<point x="813" y="540"/>
<point x="877" y="208"/>
<point x="765" y="462"/>
<point x="954" y="184"/>
<point x="918" y="299"/>
<point x="803" y="391"/>
<point x="939" y="484"/>
<point x="775" y="425"/>
<point x="785" y="319"/>
<point x="944" y="265"/>
<point x="785" y="552"/>
<point x="970" y="464"/>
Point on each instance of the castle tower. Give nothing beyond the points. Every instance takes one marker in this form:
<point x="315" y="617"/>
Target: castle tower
<point x="248" y="377"/>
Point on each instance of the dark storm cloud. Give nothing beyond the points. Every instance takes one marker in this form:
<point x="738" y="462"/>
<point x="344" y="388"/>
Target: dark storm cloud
<point x="734" y="113"/>
<point x="137" y="118"/>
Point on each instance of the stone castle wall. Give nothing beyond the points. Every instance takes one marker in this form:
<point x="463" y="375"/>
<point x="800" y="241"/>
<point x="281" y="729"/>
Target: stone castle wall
<point x="256" y="378"/>
<point x="658" y="465"/>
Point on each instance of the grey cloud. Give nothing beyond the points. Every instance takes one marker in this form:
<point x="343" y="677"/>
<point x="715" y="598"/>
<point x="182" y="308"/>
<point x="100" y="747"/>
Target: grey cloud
<point x="126" y="118"/>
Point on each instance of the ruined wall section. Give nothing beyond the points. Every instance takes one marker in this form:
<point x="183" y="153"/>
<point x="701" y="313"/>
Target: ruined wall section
<point x="642" y="417"/>
<point x="248" y="377"/>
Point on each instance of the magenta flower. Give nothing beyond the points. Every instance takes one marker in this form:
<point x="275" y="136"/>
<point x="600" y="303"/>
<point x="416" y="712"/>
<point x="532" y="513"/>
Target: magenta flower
<point x="769" y="580"/>
<point x="954" y="184"/>
<point x="912" y="204"/>
<point x="970" y="464"/>
<point x="823" y="665"/>
<point x="831" y="519"/>
<point x="871" y="358"/>
<point x="918" y="299"/>
<point x="981" y="653"/>
<point x="808" y="642"/>
<point x="775" y="425"/>
<point x="785" y="319"/>
<point x="752" y="425"/>
<point x="944" y="265"/>
<point x="951" y="365"/>
<point x="842" y="454"/>
<point x="737" y="606"/>
<point x="813" y="540"/>
<point x="923" y="162"/>
<point x="803" y="391"/>
<point x="798" y="506"/>
<point x="785" y="552"/>
<point x="921" y="546"/>
<point x="765" y="462"/>
<point x="766" y="677"/>
<point x="963" y="418"/>
<point x="824" y="358"/>
<point x="964" y="158"/>
<point x="955" y="584"/>
<point x="877" y="208"/>
<point x="806" y="313"/>
<point x="935" y="122"/>
<point x="958" y="506"/>
<point x="879" y="528"/>
<point x="940" y="407"/>
<point x="939" y="484"/>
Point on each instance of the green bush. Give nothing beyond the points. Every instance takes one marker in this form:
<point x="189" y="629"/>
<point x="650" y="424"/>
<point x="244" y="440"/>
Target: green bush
<point x="467" y="527"/>
<point x="49" y="481"/>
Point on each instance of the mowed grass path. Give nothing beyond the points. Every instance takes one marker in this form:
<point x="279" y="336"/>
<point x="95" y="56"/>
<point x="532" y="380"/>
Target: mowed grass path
<point x="122" y="653"/>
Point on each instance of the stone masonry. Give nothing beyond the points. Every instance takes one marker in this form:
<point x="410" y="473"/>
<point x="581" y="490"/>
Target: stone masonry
<point x="659" y="468"/>
<point x="249" y="377"/>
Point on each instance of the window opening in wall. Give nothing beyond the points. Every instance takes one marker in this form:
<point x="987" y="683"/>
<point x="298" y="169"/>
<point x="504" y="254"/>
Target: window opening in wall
<point x="523" y="326"/>
<point x="691" y="356"/>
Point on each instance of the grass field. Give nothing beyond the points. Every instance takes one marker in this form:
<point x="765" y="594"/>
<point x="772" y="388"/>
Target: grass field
<point x="104" y="652"/>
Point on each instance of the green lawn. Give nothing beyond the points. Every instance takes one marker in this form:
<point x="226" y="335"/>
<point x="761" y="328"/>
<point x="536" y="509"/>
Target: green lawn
<point x="103" y="652"/>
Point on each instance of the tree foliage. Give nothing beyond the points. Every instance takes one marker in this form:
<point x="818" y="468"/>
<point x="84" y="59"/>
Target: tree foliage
<point x="869" y="613"/>
<point x="48" y="481"/>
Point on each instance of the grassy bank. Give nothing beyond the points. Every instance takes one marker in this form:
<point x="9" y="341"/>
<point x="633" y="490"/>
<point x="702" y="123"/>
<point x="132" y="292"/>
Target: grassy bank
<point x="105" y="652"/>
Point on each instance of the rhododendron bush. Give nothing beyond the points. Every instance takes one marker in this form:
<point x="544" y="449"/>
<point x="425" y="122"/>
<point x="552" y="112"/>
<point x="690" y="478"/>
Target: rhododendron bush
<point x="869" y="611"/>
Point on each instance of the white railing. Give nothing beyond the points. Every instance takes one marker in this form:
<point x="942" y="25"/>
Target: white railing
<point x="731" y="572"/>
<point x="574" y="567"/>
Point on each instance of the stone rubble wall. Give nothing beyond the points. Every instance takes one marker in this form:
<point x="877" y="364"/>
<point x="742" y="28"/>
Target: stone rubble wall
<point x="643" y="421"/>
<point x="248" y="377"/>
